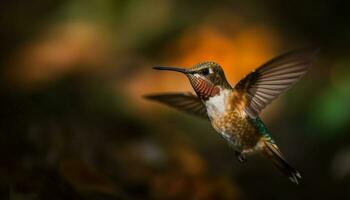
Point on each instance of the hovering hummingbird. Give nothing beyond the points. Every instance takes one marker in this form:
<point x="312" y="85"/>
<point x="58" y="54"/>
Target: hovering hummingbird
<point x="234" y="111"/>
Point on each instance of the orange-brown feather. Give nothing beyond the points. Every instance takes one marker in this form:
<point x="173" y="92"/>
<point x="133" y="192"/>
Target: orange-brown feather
<point x="235" y="123"/>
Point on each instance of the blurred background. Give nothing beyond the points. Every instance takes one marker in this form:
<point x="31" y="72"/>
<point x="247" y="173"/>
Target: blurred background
<point x="74" y="124"/>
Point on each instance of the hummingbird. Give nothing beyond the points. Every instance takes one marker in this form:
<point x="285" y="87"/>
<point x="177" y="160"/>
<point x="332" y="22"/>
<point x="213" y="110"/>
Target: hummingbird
<point x="234" y="111"/>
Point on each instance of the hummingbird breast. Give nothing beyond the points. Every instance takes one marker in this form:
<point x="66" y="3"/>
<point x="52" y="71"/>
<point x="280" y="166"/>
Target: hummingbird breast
<point x="230" y="120"/>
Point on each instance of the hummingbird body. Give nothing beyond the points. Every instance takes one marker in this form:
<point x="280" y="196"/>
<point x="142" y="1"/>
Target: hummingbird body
<point x="228" y="118"/>
<point x="234" y="111"/>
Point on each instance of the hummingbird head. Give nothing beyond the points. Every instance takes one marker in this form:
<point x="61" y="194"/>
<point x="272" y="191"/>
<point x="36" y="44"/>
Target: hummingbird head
<point x="206" y="78"/>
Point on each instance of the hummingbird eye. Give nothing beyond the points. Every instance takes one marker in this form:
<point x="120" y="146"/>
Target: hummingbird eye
<point x="205" y="72"/>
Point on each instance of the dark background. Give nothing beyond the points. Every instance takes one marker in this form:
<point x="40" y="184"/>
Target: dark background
<point x="74" y="124"/>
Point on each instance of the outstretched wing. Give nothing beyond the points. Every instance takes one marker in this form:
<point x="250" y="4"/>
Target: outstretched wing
<point x="266" y="83"/>
<point x="183" y="101"/>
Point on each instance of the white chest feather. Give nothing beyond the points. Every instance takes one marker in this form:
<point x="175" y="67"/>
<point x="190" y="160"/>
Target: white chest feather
<point x="216" y="105"/>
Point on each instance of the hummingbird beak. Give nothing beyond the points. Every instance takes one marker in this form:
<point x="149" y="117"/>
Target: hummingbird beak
<point x="176" y="69"/>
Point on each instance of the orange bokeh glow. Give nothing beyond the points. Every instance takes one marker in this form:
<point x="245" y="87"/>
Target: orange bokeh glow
<point x="238" y="52"/>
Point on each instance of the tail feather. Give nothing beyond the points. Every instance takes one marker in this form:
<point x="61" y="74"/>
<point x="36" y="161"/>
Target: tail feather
<point x="272" y="152"/>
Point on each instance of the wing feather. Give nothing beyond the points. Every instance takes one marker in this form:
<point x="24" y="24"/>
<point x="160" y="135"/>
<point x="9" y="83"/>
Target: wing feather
<point x="273" y="78"/>
<point x="187" y="102"/>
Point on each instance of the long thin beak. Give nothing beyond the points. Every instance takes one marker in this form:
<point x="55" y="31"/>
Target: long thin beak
<point x="176" y="69"/>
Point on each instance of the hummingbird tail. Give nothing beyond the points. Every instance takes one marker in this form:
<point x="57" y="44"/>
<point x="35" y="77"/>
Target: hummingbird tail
<point x="272" y="152"/>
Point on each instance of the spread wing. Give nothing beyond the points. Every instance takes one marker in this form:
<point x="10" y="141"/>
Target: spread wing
<point x="182" y="101"/>
<point x="266" y="83"/>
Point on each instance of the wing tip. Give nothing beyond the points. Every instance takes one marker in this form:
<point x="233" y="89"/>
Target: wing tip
<point x="154" y="97"/>
<point x="149" y="96"/>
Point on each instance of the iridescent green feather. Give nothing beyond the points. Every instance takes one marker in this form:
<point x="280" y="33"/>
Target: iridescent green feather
<point x="260" y="126"/>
